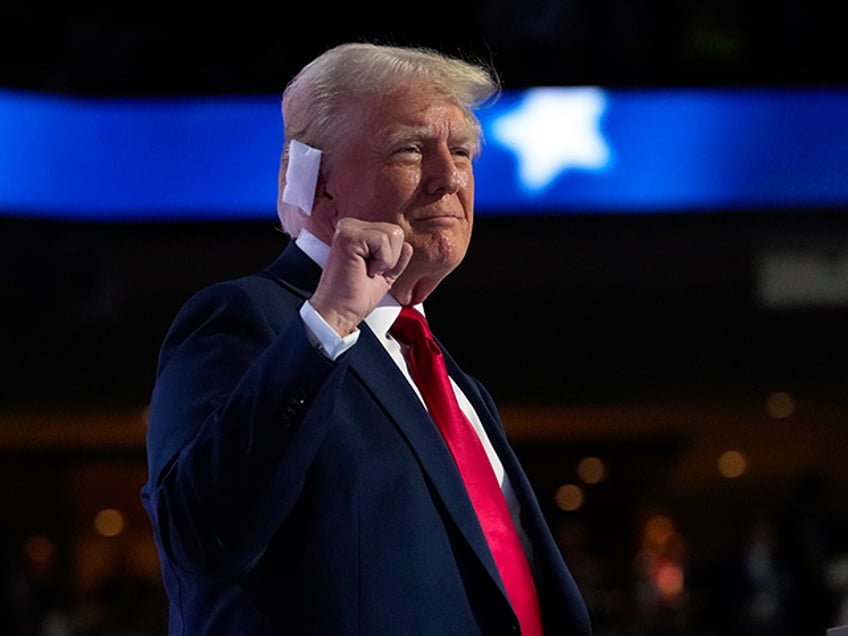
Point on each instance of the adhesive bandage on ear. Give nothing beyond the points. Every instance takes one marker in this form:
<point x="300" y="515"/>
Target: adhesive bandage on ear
<point x="301" y="175"/>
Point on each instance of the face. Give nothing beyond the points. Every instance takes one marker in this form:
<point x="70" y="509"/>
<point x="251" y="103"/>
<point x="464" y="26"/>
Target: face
<point x="408" y="160"/>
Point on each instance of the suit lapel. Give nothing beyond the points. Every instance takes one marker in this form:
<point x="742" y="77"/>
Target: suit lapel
<point x="372" y="364"/>
<point x="532" y="517"/>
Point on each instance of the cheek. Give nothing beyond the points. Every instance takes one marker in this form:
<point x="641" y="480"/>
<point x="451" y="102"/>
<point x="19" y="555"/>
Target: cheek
<point x="396" y="194"/>
<point x="465" y="180"/>
<point x="407" y="183"/>
<point x="372" y="199"/>
<point x="466" y="194"/>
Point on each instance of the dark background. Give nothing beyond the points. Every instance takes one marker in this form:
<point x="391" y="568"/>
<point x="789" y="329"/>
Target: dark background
<point x="135" y="49"/>
<point x="640" y="339"/>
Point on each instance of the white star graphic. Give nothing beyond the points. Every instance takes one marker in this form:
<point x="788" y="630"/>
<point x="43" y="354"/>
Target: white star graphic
<point x="553" y="130"/>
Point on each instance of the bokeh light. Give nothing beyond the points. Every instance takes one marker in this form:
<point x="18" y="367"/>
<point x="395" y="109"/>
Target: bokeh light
<point x="569" y="497"/>
<point x="732" y="464"/>
<point x="109" y="522"/>
<point x="591" y="470"/>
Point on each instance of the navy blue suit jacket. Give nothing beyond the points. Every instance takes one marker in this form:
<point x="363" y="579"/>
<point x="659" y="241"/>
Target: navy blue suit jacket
<point x="290" y="494"/>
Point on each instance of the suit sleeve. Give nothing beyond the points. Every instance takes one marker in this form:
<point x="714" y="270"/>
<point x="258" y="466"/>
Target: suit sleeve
<point x="236" y="417"/>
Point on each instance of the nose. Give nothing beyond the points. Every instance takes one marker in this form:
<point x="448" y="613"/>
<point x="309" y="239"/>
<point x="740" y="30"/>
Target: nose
<point x="441" y="174"/>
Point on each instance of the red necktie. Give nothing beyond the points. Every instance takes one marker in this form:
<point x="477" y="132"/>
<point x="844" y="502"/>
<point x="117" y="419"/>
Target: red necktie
<point x="427" y="367"/>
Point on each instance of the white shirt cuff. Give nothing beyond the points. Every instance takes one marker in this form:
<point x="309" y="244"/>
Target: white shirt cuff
<point x="323" y="336"/>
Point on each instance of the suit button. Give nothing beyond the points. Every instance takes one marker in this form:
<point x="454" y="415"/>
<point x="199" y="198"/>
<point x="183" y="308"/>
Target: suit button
<point x="294" y="404"/>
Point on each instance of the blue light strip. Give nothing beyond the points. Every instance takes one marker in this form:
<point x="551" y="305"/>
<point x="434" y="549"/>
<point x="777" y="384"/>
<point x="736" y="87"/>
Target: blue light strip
<point x="121" y="159"/>
<point x="548" y="151"/>
<point x="694" y="149"/>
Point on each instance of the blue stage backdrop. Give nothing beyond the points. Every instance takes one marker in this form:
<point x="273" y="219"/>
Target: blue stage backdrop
<point x="586" y="150"/>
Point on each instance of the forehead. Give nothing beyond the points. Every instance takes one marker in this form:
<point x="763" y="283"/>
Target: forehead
<point x="412" y="111"/>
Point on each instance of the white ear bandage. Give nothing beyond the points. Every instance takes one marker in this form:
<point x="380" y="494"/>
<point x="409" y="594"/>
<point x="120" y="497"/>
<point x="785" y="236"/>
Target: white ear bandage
<point x="301" y="175"/>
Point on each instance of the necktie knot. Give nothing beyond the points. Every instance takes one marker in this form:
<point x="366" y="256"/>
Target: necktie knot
<point x="411" y="327"/>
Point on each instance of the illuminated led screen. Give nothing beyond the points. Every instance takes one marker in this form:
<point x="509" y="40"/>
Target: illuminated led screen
<point x="547" y="151"/>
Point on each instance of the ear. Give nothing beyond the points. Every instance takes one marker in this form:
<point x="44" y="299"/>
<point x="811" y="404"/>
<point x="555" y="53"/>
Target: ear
<point x="325" y="213"/>
<point x="323" y="199"/>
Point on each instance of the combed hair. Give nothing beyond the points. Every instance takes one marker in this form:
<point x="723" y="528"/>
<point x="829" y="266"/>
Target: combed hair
<point x="313" y="98"/>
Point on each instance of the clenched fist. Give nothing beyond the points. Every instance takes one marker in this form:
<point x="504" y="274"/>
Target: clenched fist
<point x="365" y="260"/>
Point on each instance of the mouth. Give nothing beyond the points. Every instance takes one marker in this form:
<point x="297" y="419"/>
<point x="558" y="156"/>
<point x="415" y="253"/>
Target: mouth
<point x="439" y="216"/>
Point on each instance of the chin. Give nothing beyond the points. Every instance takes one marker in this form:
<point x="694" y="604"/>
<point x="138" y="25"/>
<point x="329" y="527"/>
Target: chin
<point x="443" y="248"/>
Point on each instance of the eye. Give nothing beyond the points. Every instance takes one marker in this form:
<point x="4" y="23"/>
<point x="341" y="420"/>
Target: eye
<point x="464" y="153"/>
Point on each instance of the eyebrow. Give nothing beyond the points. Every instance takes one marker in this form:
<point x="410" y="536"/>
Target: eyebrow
<point x="406" y="133"/>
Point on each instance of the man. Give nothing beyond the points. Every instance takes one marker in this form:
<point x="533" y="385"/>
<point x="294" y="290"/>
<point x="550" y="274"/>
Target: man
<point x="297" y="484"/>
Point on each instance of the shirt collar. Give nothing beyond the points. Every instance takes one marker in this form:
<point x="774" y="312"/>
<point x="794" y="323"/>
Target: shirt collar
<point x="313" y="247"/>
<point x="383" y="316"/>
